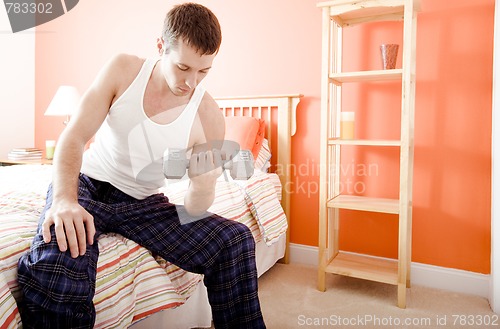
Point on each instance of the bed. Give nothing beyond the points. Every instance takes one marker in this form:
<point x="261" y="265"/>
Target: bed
<point x="135" y="288"/>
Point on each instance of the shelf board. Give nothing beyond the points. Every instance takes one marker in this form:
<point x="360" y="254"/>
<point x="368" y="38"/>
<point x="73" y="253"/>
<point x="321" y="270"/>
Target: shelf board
<point x="366" y="76"/>
<point x="364" y="267"/>
<point x="353" y="202"/>
<point x="352" y="12"/>
<point x="364" y="142"/>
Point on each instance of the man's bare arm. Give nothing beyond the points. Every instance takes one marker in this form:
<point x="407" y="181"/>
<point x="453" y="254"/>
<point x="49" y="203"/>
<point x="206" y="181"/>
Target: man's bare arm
<point x="73" y="225"/>
<point x="205" y="164"/>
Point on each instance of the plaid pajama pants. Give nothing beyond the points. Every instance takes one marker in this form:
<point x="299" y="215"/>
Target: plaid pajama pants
<point x="58" y="289"/>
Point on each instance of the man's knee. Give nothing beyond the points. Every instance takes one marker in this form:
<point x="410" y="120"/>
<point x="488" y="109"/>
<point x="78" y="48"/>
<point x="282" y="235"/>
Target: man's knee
<point x="238" y="234"/>
<point x="54" y="279"/>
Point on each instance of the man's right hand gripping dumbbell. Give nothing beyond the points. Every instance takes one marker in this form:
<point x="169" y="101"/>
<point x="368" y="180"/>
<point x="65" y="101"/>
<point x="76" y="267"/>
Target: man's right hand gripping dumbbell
<point x="240" y="164"/>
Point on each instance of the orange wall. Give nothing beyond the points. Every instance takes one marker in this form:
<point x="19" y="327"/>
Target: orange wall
<point x="274" y="47"/>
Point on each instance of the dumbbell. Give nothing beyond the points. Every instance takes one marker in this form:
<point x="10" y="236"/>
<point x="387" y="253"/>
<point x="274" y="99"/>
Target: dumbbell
<point x="175" y="164"/>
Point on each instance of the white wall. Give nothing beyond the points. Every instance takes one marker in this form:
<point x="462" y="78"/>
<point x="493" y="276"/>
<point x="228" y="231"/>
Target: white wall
<point x="495" y="175"/>
<point x="17" y="87"/>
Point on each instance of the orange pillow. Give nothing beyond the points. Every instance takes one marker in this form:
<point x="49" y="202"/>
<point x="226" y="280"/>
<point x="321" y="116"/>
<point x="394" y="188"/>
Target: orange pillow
<point x="246" y="131"/>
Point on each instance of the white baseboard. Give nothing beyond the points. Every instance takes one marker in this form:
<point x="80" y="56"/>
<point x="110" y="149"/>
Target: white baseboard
<point x="421" y="274"/>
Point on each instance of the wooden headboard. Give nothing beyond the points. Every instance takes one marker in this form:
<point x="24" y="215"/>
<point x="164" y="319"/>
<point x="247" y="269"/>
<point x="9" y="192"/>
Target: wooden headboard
<point x="279" y="112"/>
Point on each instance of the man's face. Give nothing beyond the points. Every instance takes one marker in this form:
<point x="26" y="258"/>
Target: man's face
<point x="184" y="68"/>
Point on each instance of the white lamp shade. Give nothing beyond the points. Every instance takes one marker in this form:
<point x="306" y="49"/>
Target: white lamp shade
<point x="65" y="102"/>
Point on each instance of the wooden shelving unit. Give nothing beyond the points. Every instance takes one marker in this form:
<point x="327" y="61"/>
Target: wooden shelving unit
<point x="363" y="142"/>
<point x="337" y="15"/>
<point x="366" y="76"/>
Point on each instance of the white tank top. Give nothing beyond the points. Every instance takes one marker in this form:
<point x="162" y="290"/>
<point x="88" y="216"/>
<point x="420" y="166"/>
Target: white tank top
<point x="128" y="148"/>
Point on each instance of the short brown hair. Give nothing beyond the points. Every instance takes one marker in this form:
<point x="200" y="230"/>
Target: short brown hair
<point x="196" y="25"/>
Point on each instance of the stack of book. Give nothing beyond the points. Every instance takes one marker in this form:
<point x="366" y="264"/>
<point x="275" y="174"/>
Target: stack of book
<point x="25" y="153"/>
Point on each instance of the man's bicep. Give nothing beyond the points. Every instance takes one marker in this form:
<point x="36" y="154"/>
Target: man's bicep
<point x="213" y="123"/>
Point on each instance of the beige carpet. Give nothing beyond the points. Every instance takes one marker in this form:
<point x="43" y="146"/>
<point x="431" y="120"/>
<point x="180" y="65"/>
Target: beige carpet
<point x="289" y="299"/>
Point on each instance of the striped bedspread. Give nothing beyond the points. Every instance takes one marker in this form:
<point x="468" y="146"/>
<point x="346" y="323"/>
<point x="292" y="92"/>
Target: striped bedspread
<point x="131" y="283"/>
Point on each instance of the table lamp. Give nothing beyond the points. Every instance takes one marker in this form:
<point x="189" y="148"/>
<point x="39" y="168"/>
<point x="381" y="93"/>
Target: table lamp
<point x="64" y="103"/>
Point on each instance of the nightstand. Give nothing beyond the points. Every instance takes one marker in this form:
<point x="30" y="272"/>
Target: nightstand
<point x="9" y="162"/>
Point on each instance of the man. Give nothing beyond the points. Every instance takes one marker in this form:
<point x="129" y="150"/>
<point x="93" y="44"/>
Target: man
<point x="137" y="108"/>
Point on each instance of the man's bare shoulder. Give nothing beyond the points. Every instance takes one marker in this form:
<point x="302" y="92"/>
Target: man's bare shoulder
<point x="127" y="59"/>
<point x="118" y="74"/>
<point x="125" y="64"/>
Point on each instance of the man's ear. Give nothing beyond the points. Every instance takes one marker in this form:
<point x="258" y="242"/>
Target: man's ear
<point x="163" y="46"/>
<point x="160" y="45"/>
